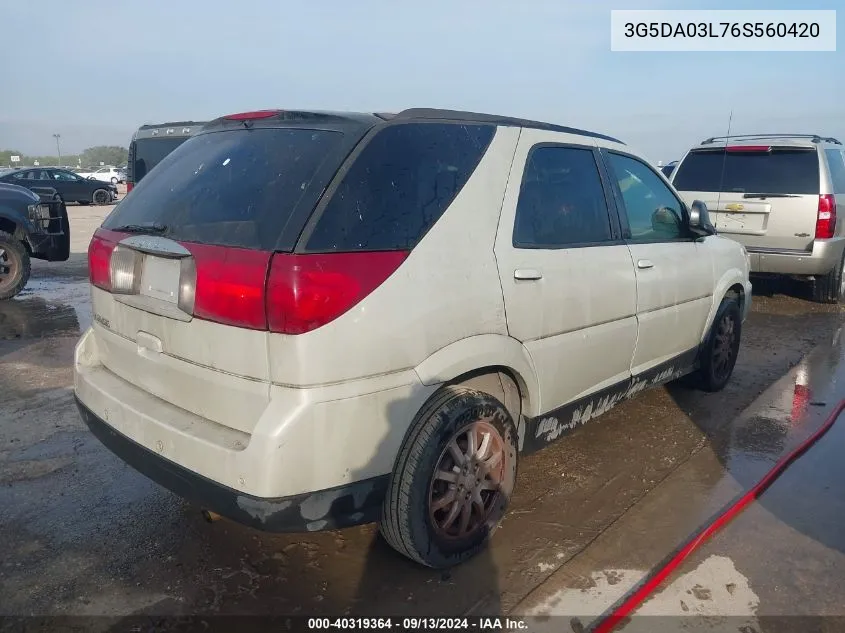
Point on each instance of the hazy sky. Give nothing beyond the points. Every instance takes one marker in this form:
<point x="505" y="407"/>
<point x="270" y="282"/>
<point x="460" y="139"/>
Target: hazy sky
<point x="95" y="71"/>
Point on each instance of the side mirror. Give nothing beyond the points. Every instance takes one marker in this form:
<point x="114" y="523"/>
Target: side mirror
<point x="699" y="219"/>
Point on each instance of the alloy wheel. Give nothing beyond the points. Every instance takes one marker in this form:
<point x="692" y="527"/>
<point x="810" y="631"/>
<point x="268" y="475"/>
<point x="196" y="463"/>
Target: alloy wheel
<point x="724" y="348"/>
<point x="465" y="488"/>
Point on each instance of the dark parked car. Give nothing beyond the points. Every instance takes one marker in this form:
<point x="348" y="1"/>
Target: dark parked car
<point x="31" y="226"/>
<point x="70" y="187"/>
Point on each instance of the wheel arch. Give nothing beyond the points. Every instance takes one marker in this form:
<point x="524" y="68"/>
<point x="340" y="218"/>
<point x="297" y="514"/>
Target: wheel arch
<point x="732" y="283"/>
<point x="487" y="362"/>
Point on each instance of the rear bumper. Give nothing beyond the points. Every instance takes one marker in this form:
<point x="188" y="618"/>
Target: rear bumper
<point x="316" y="458"/>
<point x="826" y="254"/>
<point x="344" y="506"/>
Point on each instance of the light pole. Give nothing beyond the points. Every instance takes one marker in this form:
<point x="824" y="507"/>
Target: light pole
<point x="58" y="149"/>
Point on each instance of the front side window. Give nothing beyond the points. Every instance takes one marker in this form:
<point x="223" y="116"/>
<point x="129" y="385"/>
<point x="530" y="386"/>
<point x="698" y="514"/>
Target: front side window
<point x="561" y="200"/>
<point x="398" y="187"/>
<point x="654" y="212"/>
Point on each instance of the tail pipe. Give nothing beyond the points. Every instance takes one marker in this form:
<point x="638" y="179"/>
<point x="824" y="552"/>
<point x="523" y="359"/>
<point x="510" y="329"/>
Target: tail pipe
<point x="634" y="599"/>
<point x="210" y="516"/>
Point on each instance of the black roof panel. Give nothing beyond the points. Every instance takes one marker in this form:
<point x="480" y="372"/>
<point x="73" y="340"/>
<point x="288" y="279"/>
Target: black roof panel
<point x="459" y="115"/>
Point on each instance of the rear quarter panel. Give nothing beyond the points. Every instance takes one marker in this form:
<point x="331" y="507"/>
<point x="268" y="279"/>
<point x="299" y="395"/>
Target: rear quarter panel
<point x="447" y="290"/>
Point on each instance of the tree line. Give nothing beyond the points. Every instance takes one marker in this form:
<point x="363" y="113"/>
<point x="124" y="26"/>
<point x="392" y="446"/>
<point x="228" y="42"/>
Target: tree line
<point x="91" y="157"/>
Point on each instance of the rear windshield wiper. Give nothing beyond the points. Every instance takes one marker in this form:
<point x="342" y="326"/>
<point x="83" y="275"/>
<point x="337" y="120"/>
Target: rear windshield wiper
<point x="769" y="195"/>
<point x="152" y="227"/>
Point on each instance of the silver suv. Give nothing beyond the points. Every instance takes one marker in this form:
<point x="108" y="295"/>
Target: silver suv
<point x="777" y="194"/>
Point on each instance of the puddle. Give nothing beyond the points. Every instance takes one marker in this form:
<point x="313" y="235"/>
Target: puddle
<point x="47" y="307"/>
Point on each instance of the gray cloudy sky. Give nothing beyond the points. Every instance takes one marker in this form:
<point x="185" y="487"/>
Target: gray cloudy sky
<point x="95" y="71"/>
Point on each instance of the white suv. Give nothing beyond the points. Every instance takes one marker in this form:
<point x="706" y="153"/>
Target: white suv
<point x="105" y="174"/>
<point x="306" y="320"/>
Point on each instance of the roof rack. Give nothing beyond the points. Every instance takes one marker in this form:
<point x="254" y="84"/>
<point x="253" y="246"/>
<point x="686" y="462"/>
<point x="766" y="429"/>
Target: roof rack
<point x="476" y="117"/>
<point x="816" y="138"/>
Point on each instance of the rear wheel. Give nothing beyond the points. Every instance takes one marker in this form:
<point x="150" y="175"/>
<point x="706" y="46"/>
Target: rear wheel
<point x="720" y="349"/>
<point x="830" y="288"/>
<point x="14" y="266"/>
<point x="101" y="197"/>
<point x="453" y="478"/>
<point x="113" y="180"/>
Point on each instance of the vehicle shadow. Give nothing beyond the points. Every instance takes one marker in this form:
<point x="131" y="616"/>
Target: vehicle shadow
<point x="33" y="317"/>
<point x="393" y="585"/>
<point x="292" y="577"/>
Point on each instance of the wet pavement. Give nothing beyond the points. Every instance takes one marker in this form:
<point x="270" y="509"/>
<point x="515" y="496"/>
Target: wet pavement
<point x="783" y="556"/>
<point x="84" y="534"/>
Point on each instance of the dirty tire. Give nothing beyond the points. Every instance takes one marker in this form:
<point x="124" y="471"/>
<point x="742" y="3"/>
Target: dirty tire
<point x="100" y="197"/>
<point x="831" y="287"/>
<point x="714" y="373"/>
<point x="14" y="266"/>
<point x="407" y="521"/>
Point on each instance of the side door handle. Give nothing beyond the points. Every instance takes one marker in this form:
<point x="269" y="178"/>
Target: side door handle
<point x="527" y="274"/>
<point x="645" y="263"/>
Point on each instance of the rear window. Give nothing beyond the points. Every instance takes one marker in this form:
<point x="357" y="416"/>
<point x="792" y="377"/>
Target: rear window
<point x="230" y="188"/>
<point x="149" y="152"/>
<point x="399" y="186"/>
<point x="790" y="170"/>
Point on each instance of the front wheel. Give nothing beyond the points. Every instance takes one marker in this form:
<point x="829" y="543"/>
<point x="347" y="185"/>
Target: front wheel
<point x="14" y="266"/>
<point x="719" y="351"/>
<point x="101" y="197"/>
<point x="453" y="478"/>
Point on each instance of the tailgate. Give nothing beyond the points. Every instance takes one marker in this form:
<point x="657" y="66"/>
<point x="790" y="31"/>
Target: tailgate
<point x="215" y="371"/>
<point x="775" y="223"/>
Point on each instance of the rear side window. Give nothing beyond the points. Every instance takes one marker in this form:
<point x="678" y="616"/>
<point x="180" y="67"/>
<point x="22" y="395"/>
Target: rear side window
<point x="561" y="200"/>
<point x="231" y="188"/>
<point x="836" y="165"/>
<point x="398" y="187"/>
<point x="781" y="170"/>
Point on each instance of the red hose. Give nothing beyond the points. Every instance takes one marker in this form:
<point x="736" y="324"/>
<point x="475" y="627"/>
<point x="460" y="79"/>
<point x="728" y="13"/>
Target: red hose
<point x="633" y="601"/>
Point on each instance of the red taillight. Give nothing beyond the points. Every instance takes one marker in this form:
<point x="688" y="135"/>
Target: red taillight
<point x="826" y="219"/>
<point x="748" y="148"/>
<point x="249" y="116"/>
<point x="99" y="257"/>
<point x="305" y="292"/>
<point x="229" y="285"/>
<point x="285" y="293"/>
<point x="129" y="186"/>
